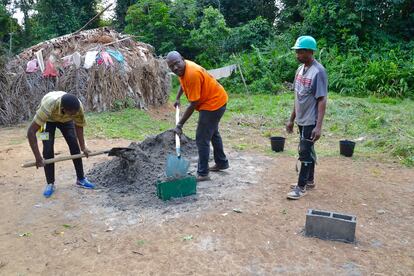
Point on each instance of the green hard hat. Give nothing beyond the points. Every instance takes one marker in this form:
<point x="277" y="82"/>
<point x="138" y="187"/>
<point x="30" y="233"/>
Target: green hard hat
<point x="305" y="42"/>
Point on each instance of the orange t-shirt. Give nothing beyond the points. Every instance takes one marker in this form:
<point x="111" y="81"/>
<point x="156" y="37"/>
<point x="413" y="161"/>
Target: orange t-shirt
<point x="199" y="86"/>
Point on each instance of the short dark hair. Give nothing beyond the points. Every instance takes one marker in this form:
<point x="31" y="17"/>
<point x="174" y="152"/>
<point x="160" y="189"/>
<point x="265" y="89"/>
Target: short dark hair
<point x="70" y="102"/>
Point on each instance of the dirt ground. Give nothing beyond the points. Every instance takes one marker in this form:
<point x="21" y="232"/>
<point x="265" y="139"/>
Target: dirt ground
<point x="76" y="233"/>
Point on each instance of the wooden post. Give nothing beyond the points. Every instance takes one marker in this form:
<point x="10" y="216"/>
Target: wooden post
<point x="249" y="97"/>
<point x="242" y="77"/>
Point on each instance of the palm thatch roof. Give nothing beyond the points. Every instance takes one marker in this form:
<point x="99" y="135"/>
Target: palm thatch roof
<point x="141" y="80"/>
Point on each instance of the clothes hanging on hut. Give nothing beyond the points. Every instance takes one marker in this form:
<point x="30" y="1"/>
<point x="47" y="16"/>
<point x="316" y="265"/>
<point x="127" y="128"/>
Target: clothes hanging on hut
<point x="32" y="66"/>
<point x="99" y="59"/>
<point x="67" y="61"/>
<point x="116" y="55"/>
<point x="73" y="59"/>
<point x="90" y="58"/>
<point x="40" y="61"/>
<point x="104" y="57"/>
<point x="76" y="59"/>
<point x="50" y="70"/>
<point x="107" y="58"/>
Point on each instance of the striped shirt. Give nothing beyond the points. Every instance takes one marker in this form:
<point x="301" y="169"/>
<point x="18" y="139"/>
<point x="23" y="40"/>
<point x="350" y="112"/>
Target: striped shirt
<point x="50" y="110"/>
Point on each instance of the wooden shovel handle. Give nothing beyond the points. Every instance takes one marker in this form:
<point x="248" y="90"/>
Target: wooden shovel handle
<point x="64" y="158"/>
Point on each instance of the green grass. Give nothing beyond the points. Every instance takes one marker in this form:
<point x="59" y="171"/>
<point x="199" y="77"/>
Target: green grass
<point x="132" y="124"/>
<point x="383" y="128"/>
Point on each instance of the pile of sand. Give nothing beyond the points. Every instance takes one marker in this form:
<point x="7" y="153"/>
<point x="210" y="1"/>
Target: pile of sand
<point x="136" y="172"/>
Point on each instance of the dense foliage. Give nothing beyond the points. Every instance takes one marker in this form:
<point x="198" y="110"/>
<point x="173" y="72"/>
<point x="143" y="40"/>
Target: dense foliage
<point x="45" y="19"/>
<point x="366" y="46"/>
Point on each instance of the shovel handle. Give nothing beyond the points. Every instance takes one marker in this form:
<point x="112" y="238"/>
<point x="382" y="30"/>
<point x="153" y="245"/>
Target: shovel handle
<point x="177" y="138"/>
<point x="64" y="158"/>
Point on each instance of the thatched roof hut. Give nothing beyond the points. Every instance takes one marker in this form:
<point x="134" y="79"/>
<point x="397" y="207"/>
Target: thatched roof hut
<point x="122" y="72"/>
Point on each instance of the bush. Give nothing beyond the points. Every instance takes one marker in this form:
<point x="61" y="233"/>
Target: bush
<point x="380" y="72"/>
<point x="388" y="74"/>
<point x="255" y="32"/>
<point x="265" y="69"/>
<point x="209" y="38"/>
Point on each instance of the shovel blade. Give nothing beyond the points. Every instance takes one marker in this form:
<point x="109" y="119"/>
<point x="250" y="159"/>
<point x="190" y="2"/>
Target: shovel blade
<point x="118" y="151"/>
<point x="176" y="167"/>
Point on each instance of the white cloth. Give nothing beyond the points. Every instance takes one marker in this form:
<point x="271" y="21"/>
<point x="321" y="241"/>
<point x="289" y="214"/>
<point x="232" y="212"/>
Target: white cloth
<point x="76" y="59"/>
<point x="73" y="59"/>
<point x="223" y="72"/>
<point x="90" y="59"/>
<point x="40" y="61"/>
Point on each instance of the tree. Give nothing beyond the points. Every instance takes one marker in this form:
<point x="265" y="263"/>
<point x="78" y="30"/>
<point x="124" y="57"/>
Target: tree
<point x="210" y="37"/>
<point x="394" y="18"/>
<point x="184" y="13"/>
<point x="289" y="13"/>
<point x="151" y="21"/>
<point x="4" y="30"/>
<point x="349" y="23"/>
<point x="4" y="22"/>
<point x="185" y="19"/>
<point x="121" y="11"/>
<point x="56" y="18"/>
<point x="9" y="25"/>
<point x="254" y="32"/>
<point x="25" y="7"/>
<point x="86" y="10"/>
<point x="239" y="12"/>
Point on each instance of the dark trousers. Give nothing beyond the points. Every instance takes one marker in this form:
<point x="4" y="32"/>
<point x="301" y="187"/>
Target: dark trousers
<point x="307" y="169"/>
<point x="68" y="132"/>
<point x="208" y="131"/>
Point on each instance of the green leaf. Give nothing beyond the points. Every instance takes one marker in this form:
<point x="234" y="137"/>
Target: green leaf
<point x="68" y="226"/>
<point x="188" y="238"/>
<point x="141" y="242"/>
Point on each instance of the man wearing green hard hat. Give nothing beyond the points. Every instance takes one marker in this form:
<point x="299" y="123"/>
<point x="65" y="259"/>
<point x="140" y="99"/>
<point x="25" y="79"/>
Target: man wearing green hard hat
<point x="311" y="90"/>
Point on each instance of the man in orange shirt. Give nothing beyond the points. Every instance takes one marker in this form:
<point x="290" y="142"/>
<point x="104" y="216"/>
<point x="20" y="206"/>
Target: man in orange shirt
<point x="207" y="96"/>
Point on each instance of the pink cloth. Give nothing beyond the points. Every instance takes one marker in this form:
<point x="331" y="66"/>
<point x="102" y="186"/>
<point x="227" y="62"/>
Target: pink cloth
<point x="32" y="66"/>
<point x="67" y="61"/>
<point x="106" y="58"/>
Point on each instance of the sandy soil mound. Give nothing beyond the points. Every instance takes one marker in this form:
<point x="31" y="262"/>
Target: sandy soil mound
<point x="137" y="171"/>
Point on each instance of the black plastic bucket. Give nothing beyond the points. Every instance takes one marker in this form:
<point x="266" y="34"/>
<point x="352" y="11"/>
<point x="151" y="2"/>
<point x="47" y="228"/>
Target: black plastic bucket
<point x="278" y="143"/>
<point x="346" y="148"/>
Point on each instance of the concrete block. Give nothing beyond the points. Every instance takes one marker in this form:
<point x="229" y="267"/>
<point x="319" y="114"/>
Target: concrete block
<point x="330" y="225"/>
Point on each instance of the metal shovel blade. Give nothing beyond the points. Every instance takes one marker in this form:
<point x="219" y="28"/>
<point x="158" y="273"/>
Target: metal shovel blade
<point x="118" y="151"/>
<point x="177" y="167"/>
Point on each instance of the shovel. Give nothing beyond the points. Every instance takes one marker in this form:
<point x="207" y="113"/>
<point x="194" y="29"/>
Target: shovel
<point x="177" y="166"/>
<point x="111" y="152"/>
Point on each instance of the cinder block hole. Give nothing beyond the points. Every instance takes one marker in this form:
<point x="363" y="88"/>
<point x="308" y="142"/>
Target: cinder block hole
<point x="345" y="217"/>
<point x="319" y="213"/>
